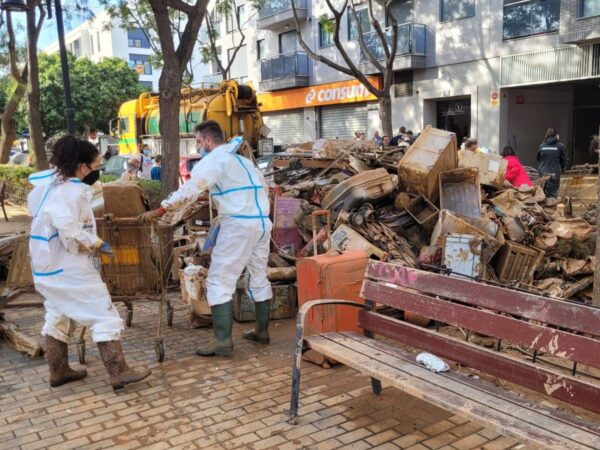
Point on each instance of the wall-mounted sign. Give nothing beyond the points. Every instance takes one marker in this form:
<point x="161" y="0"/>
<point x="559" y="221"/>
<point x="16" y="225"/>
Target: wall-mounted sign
<point x="494" y="98"/>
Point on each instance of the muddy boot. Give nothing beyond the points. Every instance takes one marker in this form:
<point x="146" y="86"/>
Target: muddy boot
<point x="57" y="355"/>
<point x="261" y="329"/>
<point x="222" y="344"/>
<point x="119" y="372"/>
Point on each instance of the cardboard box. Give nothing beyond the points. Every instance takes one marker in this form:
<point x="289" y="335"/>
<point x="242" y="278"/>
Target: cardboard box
<point x="492" y="167"/>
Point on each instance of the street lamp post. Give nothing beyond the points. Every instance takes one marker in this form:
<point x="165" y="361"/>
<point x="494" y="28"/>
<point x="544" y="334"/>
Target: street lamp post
<point x="21" y="6"/>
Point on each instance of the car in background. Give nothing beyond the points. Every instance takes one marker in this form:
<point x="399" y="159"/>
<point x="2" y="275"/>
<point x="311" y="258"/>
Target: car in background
<point x="186" y="164"/>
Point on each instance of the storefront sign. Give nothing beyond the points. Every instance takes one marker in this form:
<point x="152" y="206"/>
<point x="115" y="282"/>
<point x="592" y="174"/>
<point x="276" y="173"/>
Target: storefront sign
<point x="325" y="94"/>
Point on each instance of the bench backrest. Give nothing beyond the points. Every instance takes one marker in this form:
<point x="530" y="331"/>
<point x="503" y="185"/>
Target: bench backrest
<point x="555" y="327"/>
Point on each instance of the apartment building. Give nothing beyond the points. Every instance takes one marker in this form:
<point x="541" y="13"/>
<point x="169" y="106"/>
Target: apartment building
<point x="501" y="70"/>
<point x="103" y="37"/>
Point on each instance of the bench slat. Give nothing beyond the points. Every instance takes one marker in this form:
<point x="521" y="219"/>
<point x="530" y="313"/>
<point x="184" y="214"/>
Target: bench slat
<point x="548" y="340"/>
<point x="556" y="312"/>
<point x="525" y="425"/>
<point x="540" y="379"/>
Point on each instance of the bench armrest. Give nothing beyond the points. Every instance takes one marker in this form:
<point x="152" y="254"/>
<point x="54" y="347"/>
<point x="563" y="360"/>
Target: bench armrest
<point x="303" y="311"/>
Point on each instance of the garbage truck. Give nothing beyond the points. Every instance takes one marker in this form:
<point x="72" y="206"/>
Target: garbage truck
<point x="232" y="105"/>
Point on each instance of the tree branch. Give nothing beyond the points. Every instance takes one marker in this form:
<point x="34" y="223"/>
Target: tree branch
<point x="355" y="72"/>
<point x="12" y="52"/>
<point x="363" y="45"/>
<point x="394" y="49"/>
<point x="379" y="31"/>
<point x="180" y="5"/>
<point x="310" y="52"/>
<point x="237" y="49"/>
<point x="213" y="45"/>
<point x="190" y="33"/>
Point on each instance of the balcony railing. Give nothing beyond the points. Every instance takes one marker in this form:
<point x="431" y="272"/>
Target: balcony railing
<point x="216" y="78"/>
<point x="272" y="7"/>
<point x="293" y="64"/>
<point x="411" y="41"/>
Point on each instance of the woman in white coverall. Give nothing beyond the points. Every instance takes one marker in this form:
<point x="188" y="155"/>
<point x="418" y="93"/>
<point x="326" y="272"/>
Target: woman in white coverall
<point x="62" y="243"/>
<point x="240" y="193"/>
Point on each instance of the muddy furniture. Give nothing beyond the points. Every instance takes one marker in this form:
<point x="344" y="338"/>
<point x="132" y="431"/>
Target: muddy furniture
<point x="557" y="329"/>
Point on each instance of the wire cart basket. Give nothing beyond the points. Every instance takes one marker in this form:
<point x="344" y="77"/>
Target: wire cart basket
<point x="573" y="187"/>
<point x="138" y="271"/>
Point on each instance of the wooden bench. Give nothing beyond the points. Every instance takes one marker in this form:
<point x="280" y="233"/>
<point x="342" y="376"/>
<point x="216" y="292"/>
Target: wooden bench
<point x="556" y="328"/>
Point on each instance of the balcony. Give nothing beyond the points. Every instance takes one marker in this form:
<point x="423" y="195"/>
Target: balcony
<point x="285" y="71"/>
<point x="410" y="51"/>
<point x="277" y="14"/>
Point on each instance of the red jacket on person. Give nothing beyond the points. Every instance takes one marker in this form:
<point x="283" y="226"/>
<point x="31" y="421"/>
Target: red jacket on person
<point x="515" y="173"/>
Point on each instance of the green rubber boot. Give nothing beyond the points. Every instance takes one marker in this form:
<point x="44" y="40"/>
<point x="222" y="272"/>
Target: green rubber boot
<point x="221" y="345"/>
<point x="261" y="330"/>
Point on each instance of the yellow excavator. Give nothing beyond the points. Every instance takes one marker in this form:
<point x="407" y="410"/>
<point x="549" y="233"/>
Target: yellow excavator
<point x="233" y="106"/>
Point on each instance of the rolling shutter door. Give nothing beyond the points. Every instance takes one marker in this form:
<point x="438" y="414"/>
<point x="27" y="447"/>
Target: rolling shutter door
<point x="341" y="121"/>
<point x="287" y="127"/>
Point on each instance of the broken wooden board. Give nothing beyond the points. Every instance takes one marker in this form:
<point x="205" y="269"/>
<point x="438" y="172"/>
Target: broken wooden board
<point x="20" y="341"/>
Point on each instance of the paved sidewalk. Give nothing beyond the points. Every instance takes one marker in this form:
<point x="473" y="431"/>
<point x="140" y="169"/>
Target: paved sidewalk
<point x="191" y="402"/>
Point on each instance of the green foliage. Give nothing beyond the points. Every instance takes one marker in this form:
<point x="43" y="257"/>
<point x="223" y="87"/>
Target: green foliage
<point x="152" y="190"/>
<point x="108" y="178"/>
<point x="98" y="89"/>
<point x="207" y="54"/>
<point x="16" y="175"/>
<point x="5" y="90"/>
<point x="327" y="24"/>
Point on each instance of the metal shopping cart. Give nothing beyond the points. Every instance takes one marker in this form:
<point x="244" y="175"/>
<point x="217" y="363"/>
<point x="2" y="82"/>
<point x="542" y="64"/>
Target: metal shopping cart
<point x="138" y="271"/>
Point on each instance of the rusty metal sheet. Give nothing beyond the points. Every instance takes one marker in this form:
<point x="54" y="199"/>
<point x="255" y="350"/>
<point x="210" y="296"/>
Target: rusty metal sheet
<point x="545" y="339"/>
<point x="556" y="312"/>
<point x="562" y="387"/>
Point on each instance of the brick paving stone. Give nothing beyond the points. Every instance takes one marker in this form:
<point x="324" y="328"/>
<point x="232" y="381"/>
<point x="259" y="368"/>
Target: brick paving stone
<point x="236" y="402"/>
<point x="469" y="442"/>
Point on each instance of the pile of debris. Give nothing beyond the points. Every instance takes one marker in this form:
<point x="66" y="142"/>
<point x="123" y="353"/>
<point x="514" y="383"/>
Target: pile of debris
<point x="434" y="207"/>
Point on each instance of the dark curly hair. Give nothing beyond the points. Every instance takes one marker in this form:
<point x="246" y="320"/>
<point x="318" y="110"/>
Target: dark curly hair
<point x="69" y="152"/>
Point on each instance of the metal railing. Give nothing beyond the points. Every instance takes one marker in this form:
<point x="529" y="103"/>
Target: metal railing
<point x="216" y="78"/>
<point x="545" y="66"/>
<point x="411" y="41"/>
<point x="293" y="64"/>
<point x="272" y="7"/>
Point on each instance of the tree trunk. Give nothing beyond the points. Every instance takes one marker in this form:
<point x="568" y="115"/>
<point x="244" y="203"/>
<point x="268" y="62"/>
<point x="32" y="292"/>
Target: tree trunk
<point x="170" y="93"/>
<point x="36" y="140"/>
<point x="8" y="124"/>
<point x="385" y="114"/>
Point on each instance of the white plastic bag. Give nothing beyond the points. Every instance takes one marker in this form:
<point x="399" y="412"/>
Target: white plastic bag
<point x="432" y="362"/>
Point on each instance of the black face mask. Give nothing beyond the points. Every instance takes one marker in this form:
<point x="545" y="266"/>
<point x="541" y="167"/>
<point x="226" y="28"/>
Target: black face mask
<point x="91" y="177"/>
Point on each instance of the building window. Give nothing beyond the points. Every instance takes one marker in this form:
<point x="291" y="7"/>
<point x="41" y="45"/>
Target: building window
<point x="287" y="42"/>
<point x="260" y="49"/>
<point x="365" y="24"/>
<point x="98" y="40"/>
<point x="92" y="44"/>
<point x="527" y="18"/>
<point x="137" y="38"/>
<point x="402" y="10"/>
<point x="325" y="37"/>
<point x="141" y="64"/>
<point x="147" y="84"/>
<point x="456" y="9"/>
<point x="239" y="67"/>
<point x="590" y="8"/>
<point x="232" y="21"/>
<point x="76" y="48"/>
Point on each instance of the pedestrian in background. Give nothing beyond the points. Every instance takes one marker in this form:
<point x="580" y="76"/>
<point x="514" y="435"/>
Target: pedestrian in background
<point x="376" y="138"/>
<point x="156" y="169"/>
<point x="515" y="172"/>
<point x="396" y="139"/>
<point x="552" y="161"/>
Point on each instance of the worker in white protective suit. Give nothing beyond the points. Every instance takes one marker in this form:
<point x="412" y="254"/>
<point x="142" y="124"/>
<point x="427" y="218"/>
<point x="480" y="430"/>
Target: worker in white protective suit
<point x="240" y="193"/>
<point x="62" y="244"/>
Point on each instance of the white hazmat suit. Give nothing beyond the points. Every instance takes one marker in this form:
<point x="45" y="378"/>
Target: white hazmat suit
<point x="63" y="238"/>
<point x="240" y="193"/>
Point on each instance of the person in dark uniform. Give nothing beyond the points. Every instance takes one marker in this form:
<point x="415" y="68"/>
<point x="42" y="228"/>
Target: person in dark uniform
<point x="552" y="161"/>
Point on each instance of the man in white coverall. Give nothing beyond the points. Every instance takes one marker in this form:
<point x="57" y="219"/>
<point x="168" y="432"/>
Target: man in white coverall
<point x="62" y="243"/>
<point x="240" y="193"/>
